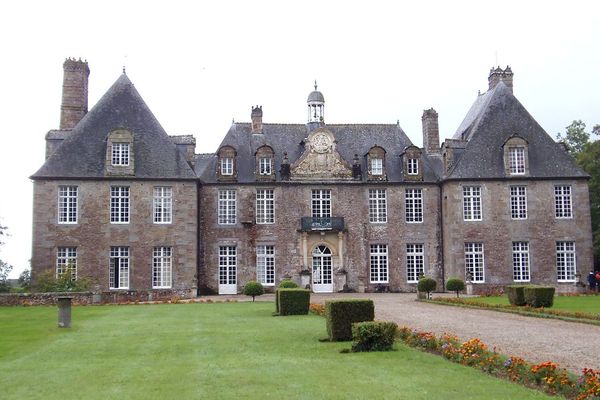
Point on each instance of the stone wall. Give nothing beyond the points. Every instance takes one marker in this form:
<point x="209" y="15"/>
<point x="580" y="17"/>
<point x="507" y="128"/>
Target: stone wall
<point x="87" y="298"/>
<point x="93" y="235"/>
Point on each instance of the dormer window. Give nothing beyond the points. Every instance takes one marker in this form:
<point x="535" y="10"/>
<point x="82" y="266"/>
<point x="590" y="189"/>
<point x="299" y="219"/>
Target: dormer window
<point x="412" y="166"/>
<point x="264" y="162"/>
<point x="516" y="160"/>
<point x="120" y="154"/>
<point x="265" y="166"/>
<point x="226" y="166"/>
<point x="376" y="166"/>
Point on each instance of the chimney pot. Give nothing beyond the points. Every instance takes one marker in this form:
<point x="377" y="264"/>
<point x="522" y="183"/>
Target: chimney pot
<point x="256" y="117"/>
<point x="499" y="75"/>
<point x="431" y="132"/>
<point x="75" y="92"/>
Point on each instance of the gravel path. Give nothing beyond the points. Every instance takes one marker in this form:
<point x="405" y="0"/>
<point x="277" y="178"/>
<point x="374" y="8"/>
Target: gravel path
<point x="572" y="345"/>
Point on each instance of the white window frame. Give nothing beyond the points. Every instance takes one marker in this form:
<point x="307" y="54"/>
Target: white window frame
<point x="566" y="261"/>
<point x="227" y="262"/>
<point x="120" y="154"/>
<point x="521" y="262"/>
<point x="66" y="256"/>
<point x="162" y="267"/>
<point x="118" y="261"/>
<point x="265" y="264"/>
<point x="265" y="166"/>
<point x="413" y="200"/>
<point x="415" y="262"/>
<point x="472" y="210"/>
<point x="321" y="203"/>
<point x="412" y="166"/>
<point x="376" y="166"/>
<point x="227" y="207"/>
<point x="226" y="165"/>
<point x="377" y="206"/>
<point x="379" y="270"/>
<point x="265" y="206"/>
<point x="518" y="202"/>
<point x="516" y="160"/>
<point x="162" y="205"/>
<point x="563" y="202"/>
<point x="67" y="204"/>
<point x="475" y="261"/>
<point x="120" y="204"/>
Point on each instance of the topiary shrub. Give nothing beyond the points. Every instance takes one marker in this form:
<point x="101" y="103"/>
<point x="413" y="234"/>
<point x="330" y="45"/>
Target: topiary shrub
<point x="254" y="289"/>
<point x="341" y="314"/>
<point x="427" y="285"/>
<point x="515" y="294"/>
<point x="373" y="336"/>
<point x="287" y="284"/>
<point x="539" y="296"/>
<point x="293" y="301"/>
<point x="455" y="285"/>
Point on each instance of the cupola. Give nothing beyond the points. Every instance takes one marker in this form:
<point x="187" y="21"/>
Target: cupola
<point x="316" y="106"/>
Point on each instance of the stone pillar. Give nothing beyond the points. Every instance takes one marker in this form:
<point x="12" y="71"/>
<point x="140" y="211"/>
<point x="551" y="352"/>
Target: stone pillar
<point x="341" y="249"/>
<point x="305" y="250"/>
<point x="64" y="311"/>
<point x="75" y="93"/>
<point x="431" y="132"/>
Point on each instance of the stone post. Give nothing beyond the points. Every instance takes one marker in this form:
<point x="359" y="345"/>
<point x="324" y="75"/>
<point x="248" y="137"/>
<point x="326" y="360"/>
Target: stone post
<point x="64" y="311"/>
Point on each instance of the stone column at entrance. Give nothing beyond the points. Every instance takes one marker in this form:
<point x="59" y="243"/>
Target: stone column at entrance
<point x="304" y="250"/>
<point x="340" y="249"/>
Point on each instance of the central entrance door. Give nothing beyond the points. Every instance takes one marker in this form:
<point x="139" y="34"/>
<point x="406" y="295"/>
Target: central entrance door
<point x="321" y="270"/>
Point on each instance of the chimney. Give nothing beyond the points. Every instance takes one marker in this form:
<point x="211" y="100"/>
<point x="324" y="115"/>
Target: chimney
<point x="75" y="92"/>
<point x="431" y="132"/>
<point x="500" y="75"/>
<point x="257" y="119"/>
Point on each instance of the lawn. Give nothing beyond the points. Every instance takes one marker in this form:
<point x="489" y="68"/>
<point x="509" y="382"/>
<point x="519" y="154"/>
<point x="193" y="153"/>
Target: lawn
<point x="585" y="304"/>
<point x="207" y="351"/>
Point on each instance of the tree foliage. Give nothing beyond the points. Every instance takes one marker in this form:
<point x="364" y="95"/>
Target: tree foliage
<point x="589" y="160"/>
<point x="5" y="268"/>
<point x="575" y="137"/>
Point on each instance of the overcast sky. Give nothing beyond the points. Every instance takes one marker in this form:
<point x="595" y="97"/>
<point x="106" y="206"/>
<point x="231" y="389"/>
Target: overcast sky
<point x="198" y="65"/>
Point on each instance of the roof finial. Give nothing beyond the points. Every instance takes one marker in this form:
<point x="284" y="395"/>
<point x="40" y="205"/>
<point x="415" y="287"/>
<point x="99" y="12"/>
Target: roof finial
<point x="315" y="84"/>
<point x="123" y="70"/>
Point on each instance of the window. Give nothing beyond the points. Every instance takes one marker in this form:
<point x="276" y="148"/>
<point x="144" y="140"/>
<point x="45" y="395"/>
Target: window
<point x="413" y="166"/>
<point x="119" y="204"/>
<point x="472" y="203"/>
<point x="161" y="267"/>
<point x="265" y="265"/>
<point x="376" y="166"/>
<point x="227" y="265"/>
<point x="163" y="205"/>
<point x="377" y="205"/>
<point x="566" y="266"/>
<point x="118" y="272"/>
<point x="66" y="260"/>
<point x="226" y="166"/>
<point x="265" y="206"/>
<point x="518" y="202"/>
<point x="414" y="262"/>
<point x="562" y="201"/>
<point x="379" y="263"/>
<point x="474" y="263"/>
<point x="120" y="154"/>
<point x="265" y="166"/>
<point x="227" y="207"/>
<point x="67" y="204"/>
<point x="414" y="205"/>
<point x="520" y="256"/>
<point x="321" y="203"/>
<point x="516" y="160"/>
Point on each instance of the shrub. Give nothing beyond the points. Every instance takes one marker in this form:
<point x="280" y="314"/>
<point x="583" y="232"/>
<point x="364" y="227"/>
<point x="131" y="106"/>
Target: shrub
<point x="539" y="296"/>
<point x="254" y="289"/>
<point x="426" y="285"/>
<point x="455" y="285"/>
<point x="287" y="284"/>
<point x="49" y="282"/>
<point x="515" y="294"/>
<point x="341" y="314"/>
<point x="293" y="301"/>
<point x="373" y="336"/>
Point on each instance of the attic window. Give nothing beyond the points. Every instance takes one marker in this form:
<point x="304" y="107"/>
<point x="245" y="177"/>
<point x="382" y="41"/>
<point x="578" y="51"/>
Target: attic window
<point x="120" y="154"/>
<point x="516" y="159"/>
<point x="413" y="166"/>
<point x="226" y="166"/>
<point x="266" y="166"/>
<point x="376" y="166"/>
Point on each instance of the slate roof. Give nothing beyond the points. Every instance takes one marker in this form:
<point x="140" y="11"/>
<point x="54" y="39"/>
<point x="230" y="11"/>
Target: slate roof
<point x="495" y="117"/>
<point x="82" y="153"/>
<point x="351" y="139"/>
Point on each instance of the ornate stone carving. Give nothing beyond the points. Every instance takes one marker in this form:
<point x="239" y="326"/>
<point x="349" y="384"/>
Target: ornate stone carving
<point x="320" y="160"/>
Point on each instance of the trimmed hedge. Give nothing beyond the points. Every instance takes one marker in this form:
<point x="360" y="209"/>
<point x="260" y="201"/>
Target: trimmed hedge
<point x="341" y="314"/>
<point x="427" y="285"/>
<point x="539" y="296"/>
<point x="455" y="285"/>
<point x="373" y="336"/>
<point x="253" y="288"/>
<point x="284" y="284"/>
<point x="515" y="294"/>
<point x="293" y="301"/>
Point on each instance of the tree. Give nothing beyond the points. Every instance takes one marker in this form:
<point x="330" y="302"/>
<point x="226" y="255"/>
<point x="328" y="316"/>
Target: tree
<point x="575" y="136"/>
<point x="589" y="160"/>
<point x="455" y="285"/>
<point x="5" y="268"/>
<point x="253" y="289"/>
<point x="25" y="279"/>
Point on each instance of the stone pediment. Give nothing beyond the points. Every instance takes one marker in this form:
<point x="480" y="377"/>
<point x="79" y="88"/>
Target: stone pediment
<point x="320" y="160"/>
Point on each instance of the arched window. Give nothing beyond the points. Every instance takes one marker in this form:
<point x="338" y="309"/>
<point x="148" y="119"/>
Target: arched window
<point x="516" y="156"/>
<point x="226" y="167"/>
<point x="376" y="164"/>
<point x="265" y="164"/>
<point x="412" y="164"/>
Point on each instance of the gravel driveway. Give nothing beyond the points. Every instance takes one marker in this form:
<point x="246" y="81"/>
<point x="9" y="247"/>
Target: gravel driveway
<point x="574" y="346"/>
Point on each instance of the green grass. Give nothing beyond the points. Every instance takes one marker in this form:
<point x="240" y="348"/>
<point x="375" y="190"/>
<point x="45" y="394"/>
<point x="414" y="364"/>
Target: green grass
<point x="207" y="351"/>
<point x="585" y="304"/>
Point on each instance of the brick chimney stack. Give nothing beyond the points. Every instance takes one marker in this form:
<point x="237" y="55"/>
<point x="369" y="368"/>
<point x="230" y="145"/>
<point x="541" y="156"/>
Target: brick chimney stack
<point x="257" y="119"/>
<point x="500" y="75"/>
<point x="75" y="92"/>
<point x="431" y="132"/>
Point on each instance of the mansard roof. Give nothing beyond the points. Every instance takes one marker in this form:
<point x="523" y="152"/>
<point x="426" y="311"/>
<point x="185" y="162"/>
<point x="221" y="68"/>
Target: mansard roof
<point x="82" y="153"/>
<point x="496" y="116"/>
<point x="350" y="139"/>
